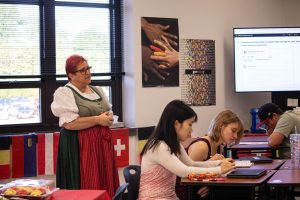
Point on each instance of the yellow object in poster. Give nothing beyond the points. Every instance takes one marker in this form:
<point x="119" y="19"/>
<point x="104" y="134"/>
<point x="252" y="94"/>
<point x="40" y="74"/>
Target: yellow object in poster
<point x="159" y="53"/>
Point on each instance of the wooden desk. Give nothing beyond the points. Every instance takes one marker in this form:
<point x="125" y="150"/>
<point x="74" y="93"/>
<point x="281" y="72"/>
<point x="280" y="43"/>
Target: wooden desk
<point x="80" y="194"/>
<point x="285" y="178"/>
<point x="247" y="183"/>
<point x="287" y="165"/>
<point x="288" y="179"/>
<point x="263" y="138"/>
<point x="275" y="165"/>
<point x="249" y="143"/>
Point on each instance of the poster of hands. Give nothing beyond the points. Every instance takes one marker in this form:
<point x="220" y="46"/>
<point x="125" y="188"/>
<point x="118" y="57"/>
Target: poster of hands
<point x="160" y="52"/>
<point x="198" y="87"/>
<point x="160" y="61"/>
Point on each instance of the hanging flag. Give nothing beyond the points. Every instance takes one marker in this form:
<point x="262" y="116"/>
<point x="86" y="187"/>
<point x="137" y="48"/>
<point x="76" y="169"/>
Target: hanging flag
<point x="41" y="153"/>
<point x="23" y="155"/>
<point x="5" y="142"/>
<point x="55" y="149"/>
<point x="143" y="135"/>
<point x="47" y="148"/>
<point x="17" y="156"/>
<point x="121" y="146"/>
<point x="30" y="155"/>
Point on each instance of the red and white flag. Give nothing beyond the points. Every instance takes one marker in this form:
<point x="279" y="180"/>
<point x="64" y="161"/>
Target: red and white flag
<point x="47" y="148"/>
<point x="121" y="146"/>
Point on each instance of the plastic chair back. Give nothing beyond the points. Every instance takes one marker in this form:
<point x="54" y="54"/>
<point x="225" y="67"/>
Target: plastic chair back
<point x="132" y="174"/>
<point x="120" y="191"/>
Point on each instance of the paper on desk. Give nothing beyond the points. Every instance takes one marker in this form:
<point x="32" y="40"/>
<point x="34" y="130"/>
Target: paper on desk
<point x="243" y="163"/>
<point x="253" y="143"/>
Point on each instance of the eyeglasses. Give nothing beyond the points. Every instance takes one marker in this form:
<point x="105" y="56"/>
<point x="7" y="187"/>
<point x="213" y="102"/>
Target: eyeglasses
<point x="84" y="71"/>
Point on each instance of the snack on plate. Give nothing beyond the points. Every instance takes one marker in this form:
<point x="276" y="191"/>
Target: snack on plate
<point x="10" y="191"/>
<point x="26" y="191"/>
<point x="202" y="176"/>
<point x="212" y="175"/>
<point x="191" y="175"/>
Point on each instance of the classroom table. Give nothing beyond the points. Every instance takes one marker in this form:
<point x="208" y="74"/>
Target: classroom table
<point x="275" y="165"/>
<point x="80" y="194"/>
<point x="263" y="138"/>
<point x="240" y="188"/>
<point x="287" y="165"/>
<point x="286" y="180"/>
<point x="248" y="144"/>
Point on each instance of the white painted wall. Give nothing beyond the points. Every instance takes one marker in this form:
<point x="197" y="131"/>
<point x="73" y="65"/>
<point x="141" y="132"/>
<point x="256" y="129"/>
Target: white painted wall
<point x="198" y="19"/>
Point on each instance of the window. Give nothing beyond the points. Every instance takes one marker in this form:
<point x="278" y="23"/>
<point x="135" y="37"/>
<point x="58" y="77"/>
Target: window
<point x="36" y="38"/>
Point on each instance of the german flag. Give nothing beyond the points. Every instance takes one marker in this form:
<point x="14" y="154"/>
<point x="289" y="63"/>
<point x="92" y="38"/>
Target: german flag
<point x="143" y="135"/>
<point x="5" y="142"/>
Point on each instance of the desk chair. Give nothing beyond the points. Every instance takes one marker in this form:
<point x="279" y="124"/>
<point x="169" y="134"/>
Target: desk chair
<point x="132" y="174"/>
<point x="120" y="191"/>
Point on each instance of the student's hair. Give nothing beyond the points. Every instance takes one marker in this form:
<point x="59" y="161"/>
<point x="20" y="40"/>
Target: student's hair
<point x="165" y="129"/>
<point x="72" y="62"/>
<point x="225" y="118"/>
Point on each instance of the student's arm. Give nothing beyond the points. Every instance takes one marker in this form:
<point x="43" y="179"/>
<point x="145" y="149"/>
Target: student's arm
<point x="282" y="129"/>
<point x="275" y="139"/>
<point x="104" y="119"/>
<point x="189" y="162"/>
<point x="162" y="156"/>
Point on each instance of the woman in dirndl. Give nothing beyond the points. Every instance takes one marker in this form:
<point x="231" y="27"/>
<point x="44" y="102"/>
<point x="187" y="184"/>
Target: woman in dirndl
<point x="85" y="154"/>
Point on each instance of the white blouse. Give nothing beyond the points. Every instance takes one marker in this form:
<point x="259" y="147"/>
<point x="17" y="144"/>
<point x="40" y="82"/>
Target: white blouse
<point x="180" y="166"/>
<point x="64" y="105"/>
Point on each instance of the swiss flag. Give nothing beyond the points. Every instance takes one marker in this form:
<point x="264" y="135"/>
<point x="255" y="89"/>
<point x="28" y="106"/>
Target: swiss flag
<point x="121" y="146"/>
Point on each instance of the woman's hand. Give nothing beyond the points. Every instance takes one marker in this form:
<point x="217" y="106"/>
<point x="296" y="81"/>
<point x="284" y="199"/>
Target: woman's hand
<point x="156" y="31"/>
<point x="226" y="166"/>
<point x="150" y="67"/>
<point x="229" y="159"/>
<point x="105" y="119"/>
<point x="217" y="157"/>
<point x="171" y="56"/>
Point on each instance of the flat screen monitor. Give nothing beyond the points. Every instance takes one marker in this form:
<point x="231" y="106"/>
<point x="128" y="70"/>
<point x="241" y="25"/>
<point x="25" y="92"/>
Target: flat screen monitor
<point x="267" y="59"/>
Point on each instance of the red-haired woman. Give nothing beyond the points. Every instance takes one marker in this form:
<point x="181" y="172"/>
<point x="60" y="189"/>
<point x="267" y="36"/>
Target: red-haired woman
<point x="85" y="155"/>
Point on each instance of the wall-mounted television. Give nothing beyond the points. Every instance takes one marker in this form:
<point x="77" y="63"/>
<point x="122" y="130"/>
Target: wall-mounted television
<point x="267" y="59"/>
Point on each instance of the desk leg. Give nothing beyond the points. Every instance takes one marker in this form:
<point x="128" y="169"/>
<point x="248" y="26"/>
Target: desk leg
<point x="231" y="192"/>
<point x="252" y="193"/>
<point x="273" y="153"/>
<point x="211" y="193"/>
<point x="283" y="193"/>
<point x="292" y="193"/>
<point x="190" y="192"/>
<point x="277" y="193"/>
<point x="266" y="192"/>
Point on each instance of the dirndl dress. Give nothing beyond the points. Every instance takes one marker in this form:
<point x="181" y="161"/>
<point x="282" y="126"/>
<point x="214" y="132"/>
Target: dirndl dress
<point x="68" y="160"/>
<point x="86" y="157"/>
<point x="97" y="163"/>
